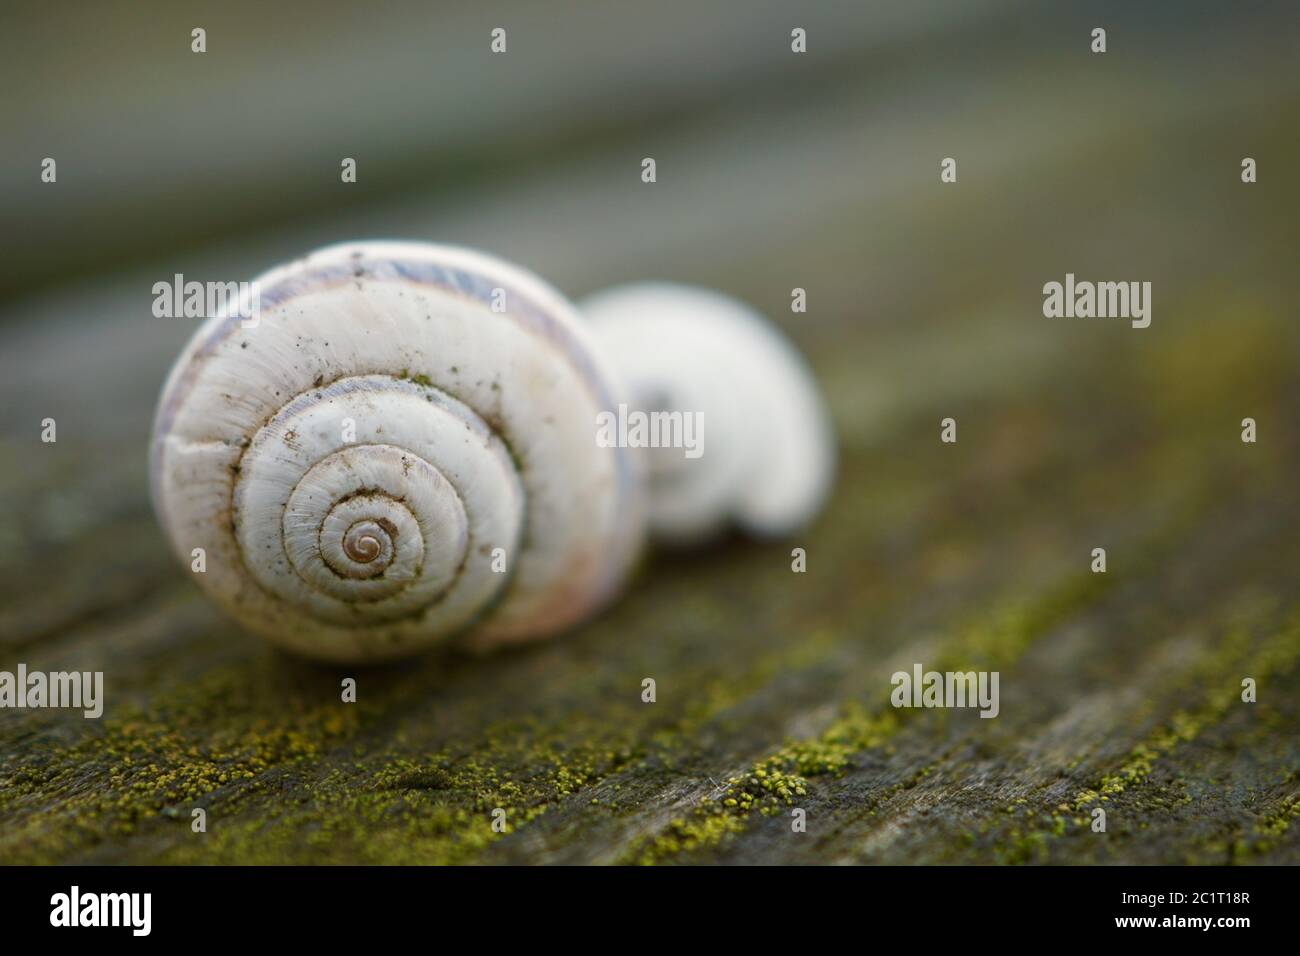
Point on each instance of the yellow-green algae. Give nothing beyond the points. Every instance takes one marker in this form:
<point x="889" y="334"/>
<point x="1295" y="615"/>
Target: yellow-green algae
<point x="995" y="642"/>
<point x="1237" y="654"/>
<point x="257" y="777"/>
<point x="774" y="782"/>
<point x="1272" y="826"/>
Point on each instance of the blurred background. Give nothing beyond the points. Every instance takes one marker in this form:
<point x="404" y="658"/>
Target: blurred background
<point x="775" y="170"/>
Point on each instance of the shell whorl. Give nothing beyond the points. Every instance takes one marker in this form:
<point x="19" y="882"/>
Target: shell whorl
<point x="386" y="459"/>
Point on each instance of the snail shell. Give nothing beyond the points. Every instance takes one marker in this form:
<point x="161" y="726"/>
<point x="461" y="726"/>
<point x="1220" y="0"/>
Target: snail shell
<point x="353" y="462"/>
<point x="768" y="452"/>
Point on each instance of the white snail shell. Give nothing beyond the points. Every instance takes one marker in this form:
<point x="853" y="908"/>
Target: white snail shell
<point x="768" y="451"/>
<point x="473" y="431"/>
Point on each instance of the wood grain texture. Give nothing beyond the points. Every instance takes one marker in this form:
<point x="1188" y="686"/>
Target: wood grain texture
<point x="1119" y="691"/>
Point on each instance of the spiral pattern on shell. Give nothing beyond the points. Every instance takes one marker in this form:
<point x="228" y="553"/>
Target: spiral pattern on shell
<point x="402" y="448"/>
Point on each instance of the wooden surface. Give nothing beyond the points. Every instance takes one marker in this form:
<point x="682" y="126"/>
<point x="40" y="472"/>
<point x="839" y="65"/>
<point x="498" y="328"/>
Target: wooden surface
<point x="1119" y="691"/>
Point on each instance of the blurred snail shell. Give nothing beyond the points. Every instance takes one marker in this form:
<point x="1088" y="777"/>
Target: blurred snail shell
<point x="353" y="463"/>
<point x="768" y="449"/>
